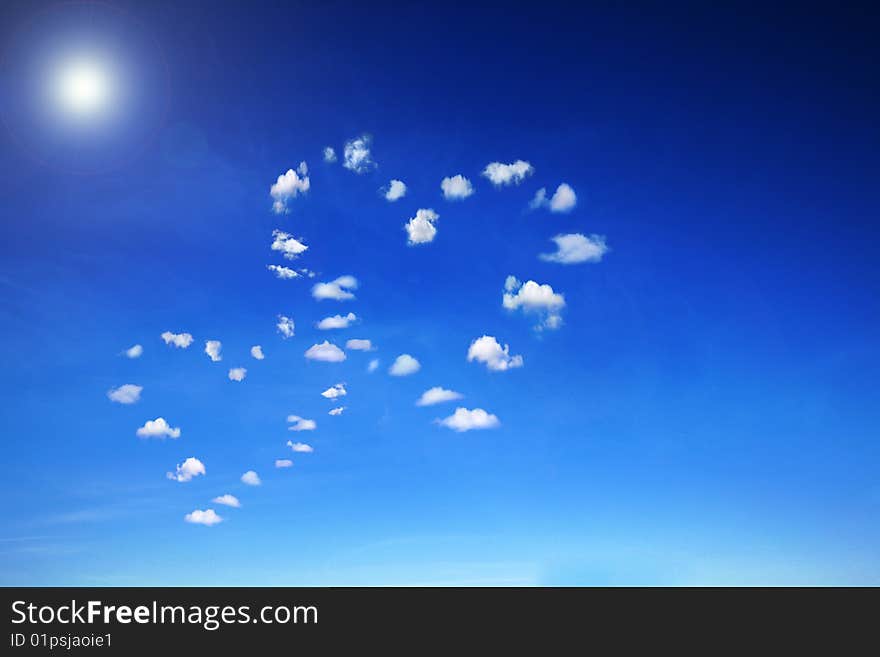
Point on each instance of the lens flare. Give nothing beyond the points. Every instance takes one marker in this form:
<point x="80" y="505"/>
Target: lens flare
<point x="84" y="87"/>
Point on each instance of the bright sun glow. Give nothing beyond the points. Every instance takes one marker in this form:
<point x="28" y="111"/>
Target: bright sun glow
<point x="83" y="87"/>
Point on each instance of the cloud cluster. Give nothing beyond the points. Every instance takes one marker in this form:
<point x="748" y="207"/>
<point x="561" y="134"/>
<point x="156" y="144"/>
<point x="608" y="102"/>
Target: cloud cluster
<point x="288" y="186"/>
<point x="298" y="423"/>
<point x="508" y="174"/>
<point x="285" y="326"/>
<point x="127" y="393"/>
<point x="534" y="298"/>
<point x="288" y="246"/>
<point x="468" y="419"/>
<point x="208" y="517"/>
<point x="135" y="351"/>
<point x="575" y="248"/>
<point x="190" y="468"/>
<point x="257" y="352"/>
<point x="227" y="500"/>
<point x="421" y="229"/>
<point x="326" y="352"/>
<point x="329" y="154"/>
<point x="357" y="344"/>
<point x="251" y="478"/>
<point x="404" y="365"/>
<point x="437" y="395"/>
<point x="456" y="188"/>
<point x="237" y="373"/>
<point x="334" y="392"/>
<point x="157" y="428"/>
<point x="338" y="290"/>
<point x="396" y="190"/>
<point x="302" y="448"/>
<point x="488" y="350"/>
<point x="283" y="463"/>
<point x="212" y="348"/>
<point x="563" y="200"/>
<point x="337" y="322"/>
<point x="284" y="273"/>
<point x="179" y="340"/>
<point x="356" y="155"/>
<point x="336" y="411"/>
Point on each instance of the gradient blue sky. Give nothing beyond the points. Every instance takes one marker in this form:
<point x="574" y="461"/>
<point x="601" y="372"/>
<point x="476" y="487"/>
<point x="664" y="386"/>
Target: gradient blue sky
<point x="707" y="413"/>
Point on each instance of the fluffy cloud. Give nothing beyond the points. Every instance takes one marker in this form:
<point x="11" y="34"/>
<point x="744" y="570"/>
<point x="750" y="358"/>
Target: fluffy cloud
<point x="282" y="272"/>
<point x="334" y="392"/>
<point x="227" y="500"/>
<point x="190" y="468"/>
<point x="212" y="348"/>
<point x="356" y="344"/>
<point x="288" y="246"/>
<point x="257" y="352"/>
<point x="356" y="155"/>
<point x="465" y="420"/>
<point x="285" y="326"/>
<point x="127" y="393"/>
<point x="326" y="351"/>
<point x="251" y="478"/>
<point x="507" y="174"/>
<point x="437" y="395"/>
<point x="300" y="423"/>
<point x="373" y="366"/>
<point x="486" y="349"/>
<point x="157" y="428"/>
<point x="237" y="374"/>
<point x="339" y="289"/>
<point x="421" y="229"/>
<point x="288" y="186"/>
<point x="456" y="188"/>
<point x="404" y="365"/>
<point x="534" y="298"/>
<point x="135" y="351"/>
<point x="302" y="448"/>
<point x="396" y="190"/>
<point x="574" y="248"/>
<point x="207" y="517"/>
<point x="563" y="199"/>
<point x="283" y="463"/>
<point x="179" y="340"/>
<point x="337" y="322"/>
<point x="329" y="154"/>
<point x="336" y="411"/>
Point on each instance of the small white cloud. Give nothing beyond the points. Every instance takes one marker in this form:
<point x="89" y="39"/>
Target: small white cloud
<point x="339" y="289"/>
<point x="404" y="365"/>
<point x="507" y="174"/>
<point x="127" y="393"/>
<point x="334" y="392"/>
<point x="326" y="352"/>
<point x="284" y="273"/>
<point x="576" y="248"/>
<point x="227" y="500"/>
<point x="465" y="420"/>
<point x="421" y="229"/>
<point x="179" y="340"/>
<point x="456" y="188"/>
<point x="337" y="322"/>
<point x="336" y="411"/>
<point x="373" y="366"/>
<point x="157" y="428"/>
<point x="190" y="468"/>
<point x="329" y="154"/>
<point x="285" y="326"/>
<point x="356" y="155"/>
<point x="486" y="349"/>
<point x="237" y="374"/>
<point x="208" y="517"/>
<point x="212" y="348"/>
<point x="135" y="351"/>
<point x="286" y="245"/>
<point x="300" y="423"/>
<point x="251" y="478"/>
<point x="539" y="200"/>
<point x="356" y="344"/>
<point x="437" y="395"/>
<point x="302" y="448"/>
<point x="534" y="298"/>
<point x="257" y="352"/>
<point x="396" y="190"/>
<point x="563" y="200"/>
<point x="288" y="186"/>
<point x="283" y="463"/>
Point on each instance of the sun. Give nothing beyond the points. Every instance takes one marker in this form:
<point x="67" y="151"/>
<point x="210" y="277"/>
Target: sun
<point x="84" y="87"/>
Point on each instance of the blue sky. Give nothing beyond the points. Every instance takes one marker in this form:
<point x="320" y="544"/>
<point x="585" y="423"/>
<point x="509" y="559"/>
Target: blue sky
<point x="705" y="413"/>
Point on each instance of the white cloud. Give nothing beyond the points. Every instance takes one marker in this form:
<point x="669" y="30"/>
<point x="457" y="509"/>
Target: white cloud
<point x="284" y="273"/>
<point x="437" y="395"/>
<point x="373" y="366"/>
<point x="421" y="229"/>
<point x="257" y="352"/>
<point x="507" y="174"/>
<point x="466" y="420"/>
<point x="540" y="199"/>
<point x="456" y="188"/>
<point x="288" y="186"/>
<point x="237" y="374"/>
<point x="356" y="154"/>
<point x="190" y="468"/>
<point x="302" y="448"/>
<point x="574" y="248"/>
<point x="396" y="190"/>
<point x="227" y="500"/>
<point x="300" y="423"/>
<point x="336" y="411"/>
<point x="326" y="352"/>
<point x="563" y="199"/>
<point x="534" y="298"/>
<point x="157" y="428"/>
<point x="404" y="365"/>
<point x="283" y="463"/>
<point x="179" y="340"/>
<point x="333" y="392"/>
<point x="329" y="154"/>
<point x="251" y="478"/>
<point x="285" y="326"/>
<point x="212" y="348"/>
<point x="337" y="322"/>
<point x="357" y="344"/>
<point x="127" y="393"/>
<point x="135" y="351"/>
<point x="339" y="289"/>
<point x="288" y="246"/>
<point x="207" y="517"/>
<point x="486" y="349"/>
